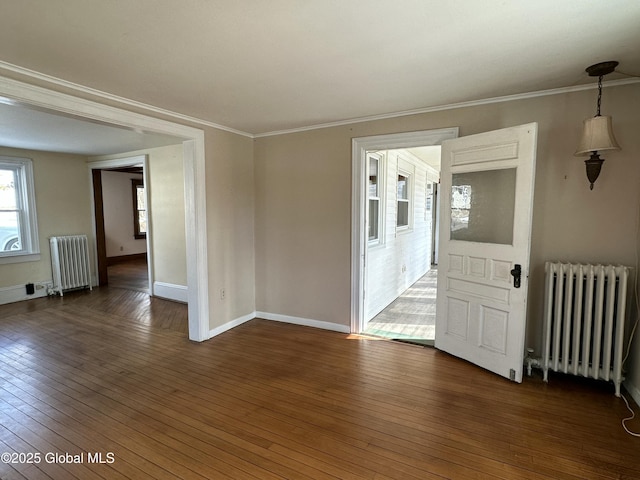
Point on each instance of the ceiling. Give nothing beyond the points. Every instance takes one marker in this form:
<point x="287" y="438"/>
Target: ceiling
<point x="32" y="129"/>
<point x="260" y="67"/>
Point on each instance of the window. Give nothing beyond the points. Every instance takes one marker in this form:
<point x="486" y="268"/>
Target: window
<point x="482" y="206"/>
<point x="373" y="226"/>
<point x="18" y="224"/>
<point x="404" y="200"/>
<point x="460" y="207"/>
<point x="139" y="209"/>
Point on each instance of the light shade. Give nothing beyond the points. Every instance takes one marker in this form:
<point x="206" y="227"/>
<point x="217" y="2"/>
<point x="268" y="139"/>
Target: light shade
<point x="597" y="135"/>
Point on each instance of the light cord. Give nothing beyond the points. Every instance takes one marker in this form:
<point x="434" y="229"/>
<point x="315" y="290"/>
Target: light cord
<point x="628" y="419"/>
<point x="635" y="325"/>
<point x="599" y="95"/>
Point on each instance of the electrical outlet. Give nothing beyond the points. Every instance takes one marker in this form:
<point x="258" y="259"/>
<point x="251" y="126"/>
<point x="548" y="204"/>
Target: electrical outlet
<point x="223" y="294"/>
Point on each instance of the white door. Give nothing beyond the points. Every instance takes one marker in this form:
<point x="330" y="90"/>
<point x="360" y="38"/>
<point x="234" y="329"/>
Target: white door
<point x="486" y="205"/>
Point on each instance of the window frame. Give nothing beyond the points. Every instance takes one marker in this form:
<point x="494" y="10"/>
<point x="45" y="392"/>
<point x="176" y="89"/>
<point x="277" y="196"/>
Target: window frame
<point x="135" y="184"/>
<point x="381" y="177"/>
<point x="26" y="208"/>
<point x="408" y="201"/>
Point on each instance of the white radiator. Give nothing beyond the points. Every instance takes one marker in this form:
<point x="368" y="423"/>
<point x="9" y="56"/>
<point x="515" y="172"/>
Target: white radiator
<point x="70" y="263"/>
<point x="585" y="314"/>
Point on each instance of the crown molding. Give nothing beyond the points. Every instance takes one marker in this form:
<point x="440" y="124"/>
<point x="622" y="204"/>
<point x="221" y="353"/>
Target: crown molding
<point x="115" y="98"/>
<point x="451" y="106"/>
<point x="186" y="118"/>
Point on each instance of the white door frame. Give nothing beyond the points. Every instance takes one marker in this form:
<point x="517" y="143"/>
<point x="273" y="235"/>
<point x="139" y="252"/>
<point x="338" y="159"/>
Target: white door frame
<point x="16" y="92"/>
<point x="120" y="163"/>
<point x="358" y="198"/>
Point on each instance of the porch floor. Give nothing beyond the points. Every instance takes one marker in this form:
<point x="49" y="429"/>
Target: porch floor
<point x="412" y="316"/>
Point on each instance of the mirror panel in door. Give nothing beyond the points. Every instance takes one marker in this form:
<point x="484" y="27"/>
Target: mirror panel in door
<point x="482" y="206"/>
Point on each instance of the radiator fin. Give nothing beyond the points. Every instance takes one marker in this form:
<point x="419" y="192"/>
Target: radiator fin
<point x="584" y="319"/>
<point x="70" y="263"/>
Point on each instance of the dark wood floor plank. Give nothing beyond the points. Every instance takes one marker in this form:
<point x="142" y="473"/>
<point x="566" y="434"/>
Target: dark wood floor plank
<point x="18" y="470"/>
<point x="77" y="433"/>
<point x="108" y="371"/>
<point x="177" y="462"/>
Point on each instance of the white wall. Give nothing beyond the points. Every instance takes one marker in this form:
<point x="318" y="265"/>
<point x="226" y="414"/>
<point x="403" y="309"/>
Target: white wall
<point x="403" y="255"/>
<point x="166" y="198"/>
<point x="118" y="214"/>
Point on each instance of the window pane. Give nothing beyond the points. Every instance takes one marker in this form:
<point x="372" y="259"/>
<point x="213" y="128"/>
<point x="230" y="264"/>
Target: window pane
<point x="483" y="205"/>
<point x="374" y="214"/>
<point x="429" y="199"/>
<point x="9" y="232"/>
<point x="373" y="177"/>
<point x="8" y="197"/>
<point x="142" y="221"/>
<point x="18" y="230"/>
<point x="403" y="187"/>
<point x="403" y="214"/>
<point x="140" y="198"/>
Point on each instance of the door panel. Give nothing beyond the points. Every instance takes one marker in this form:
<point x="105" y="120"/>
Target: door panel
<point x="486" y="195"/>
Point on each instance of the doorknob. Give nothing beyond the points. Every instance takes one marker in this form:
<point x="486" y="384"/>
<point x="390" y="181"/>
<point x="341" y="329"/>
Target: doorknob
<point x="517" y="275"/>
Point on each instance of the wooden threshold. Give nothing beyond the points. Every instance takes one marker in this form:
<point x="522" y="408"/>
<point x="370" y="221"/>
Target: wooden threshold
<point x="266" y="400"/>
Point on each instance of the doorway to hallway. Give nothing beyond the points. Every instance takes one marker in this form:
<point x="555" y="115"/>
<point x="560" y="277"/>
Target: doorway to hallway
<point x="412" y="316"/>
<point x="395" y="224"/>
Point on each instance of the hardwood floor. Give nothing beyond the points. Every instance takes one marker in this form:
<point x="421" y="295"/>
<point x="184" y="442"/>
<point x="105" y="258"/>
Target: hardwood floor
<point x="88" y="374"/>
<point x="131" y="274"/>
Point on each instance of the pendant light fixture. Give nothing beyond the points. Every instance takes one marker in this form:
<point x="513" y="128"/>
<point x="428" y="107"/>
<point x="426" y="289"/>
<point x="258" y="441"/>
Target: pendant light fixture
<point x="597" y="133"/>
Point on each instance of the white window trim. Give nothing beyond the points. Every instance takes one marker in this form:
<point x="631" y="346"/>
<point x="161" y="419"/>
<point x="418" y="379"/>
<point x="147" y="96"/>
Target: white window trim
<point x="29" y="235"/>
<point x="382" y="175"/>
<point x="410" y="200"/>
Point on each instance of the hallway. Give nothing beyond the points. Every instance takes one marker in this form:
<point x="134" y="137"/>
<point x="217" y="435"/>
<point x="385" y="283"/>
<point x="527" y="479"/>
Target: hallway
<point x="412" y="316"/>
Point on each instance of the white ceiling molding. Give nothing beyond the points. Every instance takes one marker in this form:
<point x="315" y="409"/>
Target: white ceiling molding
<point x="439" y="108"/>
<point x="115" y="98"/>
<point x="198" y="121"/>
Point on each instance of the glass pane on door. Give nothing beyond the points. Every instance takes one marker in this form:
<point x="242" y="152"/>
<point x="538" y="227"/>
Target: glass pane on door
<point x="482" y="206"/>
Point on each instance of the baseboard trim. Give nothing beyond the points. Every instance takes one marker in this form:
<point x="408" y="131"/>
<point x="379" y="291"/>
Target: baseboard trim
<point x="633" y="391"/>
<point x="18" y="293"/>
<point x="169" y="291"/>
<point x="232" y="324"/>
<point x="307" y="322"/>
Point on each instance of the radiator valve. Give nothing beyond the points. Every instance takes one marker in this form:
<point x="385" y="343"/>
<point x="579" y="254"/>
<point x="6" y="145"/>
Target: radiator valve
<point x="530" y="361"/>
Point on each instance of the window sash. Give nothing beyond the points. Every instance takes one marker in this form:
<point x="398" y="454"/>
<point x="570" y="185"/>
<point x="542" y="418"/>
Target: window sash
<point x="139" y="209"/>
<point x="403" y="204"/>
<point x="18" y="238"/>
<point x="375" y="219"/>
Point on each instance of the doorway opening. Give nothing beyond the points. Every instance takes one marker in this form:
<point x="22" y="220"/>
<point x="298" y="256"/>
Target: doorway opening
<point x="400" y="275"/>
<point x="194" y="165"/>
<point x="122" y="216"/>
<point x="394" y="224"/>
<point x="123" y="239"/>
